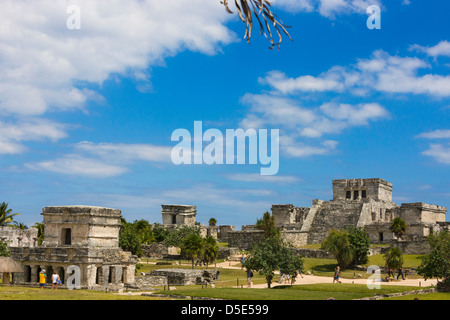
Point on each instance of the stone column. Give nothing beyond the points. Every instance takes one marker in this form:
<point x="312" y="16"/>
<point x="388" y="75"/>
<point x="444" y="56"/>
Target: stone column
<point x="105" y="275"/>
<point x="117" y="276"/>
<point x="91" y="273"/>
<point x="34" y="274"/>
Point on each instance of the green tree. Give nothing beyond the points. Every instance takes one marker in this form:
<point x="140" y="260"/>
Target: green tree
<point x="212" y="222"/>
<point x="270" y="255"/>
<point x="210" y="250"/>
<point x="129" y="239"/>
<point x="267" y="224"/>
<point x="360" y="245"/>
<point x="338" y="244"/>
<point x="20" y="225"/>
<point x="176" y="237"/>
<point x="437" y="263"/>
<point x="6" y="215"/>
<point x="160" y="232"/>
<point x="192" y="247"/>
<point x="398" y="227"/>
<point x="40" y="227"/>
<point x="393" y="258"/>
<point x="133" y="235"/>
<point x="145" y="231"/>
<point x="4" y="249"/>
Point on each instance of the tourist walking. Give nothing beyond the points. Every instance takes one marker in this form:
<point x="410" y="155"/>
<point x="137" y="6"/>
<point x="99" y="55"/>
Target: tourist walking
<point x="391" y="273"/>
<point x="55" y="280"/>
<point x="242" y="261"/>
<point x="337" y="273"/>
<point x="249" y="277"/>
<point x="400" y="273"/>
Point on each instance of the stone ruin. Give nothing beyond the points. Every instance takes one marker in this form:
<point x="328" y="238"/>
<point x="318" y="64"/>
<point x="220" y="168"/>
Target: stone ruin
<point x="82" y="236"/>
<point x="365" y="203"/>
<point x="87" y="236"/>
<point x="175" y="216"/>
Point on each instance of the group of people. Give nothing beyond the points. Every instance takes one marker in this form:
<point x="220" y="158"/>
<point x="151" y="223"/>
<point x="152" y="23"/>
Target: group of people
<point x="337" y="274"/>
<point x="400" y="273"/>
<point x="56" y="280"/>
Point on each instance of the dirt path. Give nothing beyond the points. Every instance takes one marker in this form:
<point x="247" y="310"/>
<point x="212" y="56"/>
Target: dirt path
<point x="312" y="279"/>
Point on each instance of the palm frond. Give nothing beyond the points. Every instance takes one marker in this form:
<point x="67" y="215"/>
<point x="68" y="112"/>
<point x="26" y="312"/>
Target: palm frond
<point x="260" y="9"/>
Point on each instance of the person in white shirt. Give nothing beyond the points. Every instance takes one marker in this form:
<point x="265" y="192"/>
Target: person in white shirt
<point x="55" y="280"/>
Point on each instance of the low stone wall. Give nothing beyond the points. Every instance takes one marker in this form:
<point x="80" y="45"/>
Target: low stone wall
<point x="158" y="250"/>
<point x="225" y="253"/>
<point x="245" y="239"/>
<point x="148" y="281"/>
<point x="313" y="253"/>
<point x="413" y="247"/>
<point x="184" y="277"/>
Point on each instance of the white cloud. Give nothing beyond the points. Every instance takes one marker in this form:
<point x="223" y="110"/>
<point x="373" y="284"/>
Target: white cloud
<point x="103" y="160"/>
<point x="13" y="134"/>
<point x="255" y="177"/>
<point x="43" y="64"/>
<point x="439" y="152"/>
<point x="380" y="73"/>
<point x="298" y="123"/>
<point x="327" y="8"/>
<point x="127" y="152"/>
<point x="77" y="165"/>
<point x="437" y="134"/>
<point x="441" y="49"/>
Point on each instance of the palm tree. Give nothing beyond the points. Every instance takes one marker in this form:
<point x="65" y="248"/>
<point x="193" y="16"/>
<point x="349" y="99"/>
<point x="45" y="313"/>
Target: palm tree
<point x="6" y="217"/>
<point x="260" y="8"/>
<point x="20" y="225"/>
<point x="40" y="227"/>
<point x="398" y="227"/>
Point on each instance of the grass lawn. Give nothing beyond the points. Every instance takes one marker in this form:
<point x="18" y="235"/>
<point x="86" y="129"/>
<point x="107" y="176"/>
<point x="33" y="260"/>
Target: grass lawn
<point x="304" y="292"/>
<point x="25" y="293"/>
<point x="428" y="296"/>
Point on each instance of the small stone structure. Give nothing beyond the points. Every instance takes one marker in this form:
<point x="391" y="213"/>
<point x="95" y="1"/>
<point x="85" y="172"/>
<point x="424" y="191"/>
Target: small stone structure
<point x="175" y="216"/>
<point x="178" y="214"/>
<point x="82" y="236"/>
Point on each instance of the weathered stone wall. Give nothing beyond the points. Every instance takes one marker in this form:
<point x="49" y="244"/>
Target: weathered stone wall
<point x="186" y="277"/>
<point x="19" y="238"/>
<point x="223" y="232"/>
<point x="158" y="250"/>
<point x="412" y="247"/>
<point x="245" y="239"/>
<point x="313" y="253"/>
<point x="148" y="282"/>
<point x="225" y="253"/>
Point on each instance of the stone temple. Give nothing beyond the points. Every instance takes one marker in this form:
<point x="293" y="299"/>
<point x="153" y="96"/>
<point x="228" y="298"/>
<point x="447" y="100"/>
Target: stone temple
<point x="365" y="203"/>
<point x="82" y="236"/>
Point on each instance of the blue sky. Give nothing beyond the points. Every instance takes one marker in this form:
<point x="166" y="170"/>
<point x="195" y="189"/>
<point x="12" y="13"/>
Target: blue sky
<point x="88" y="114"/>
